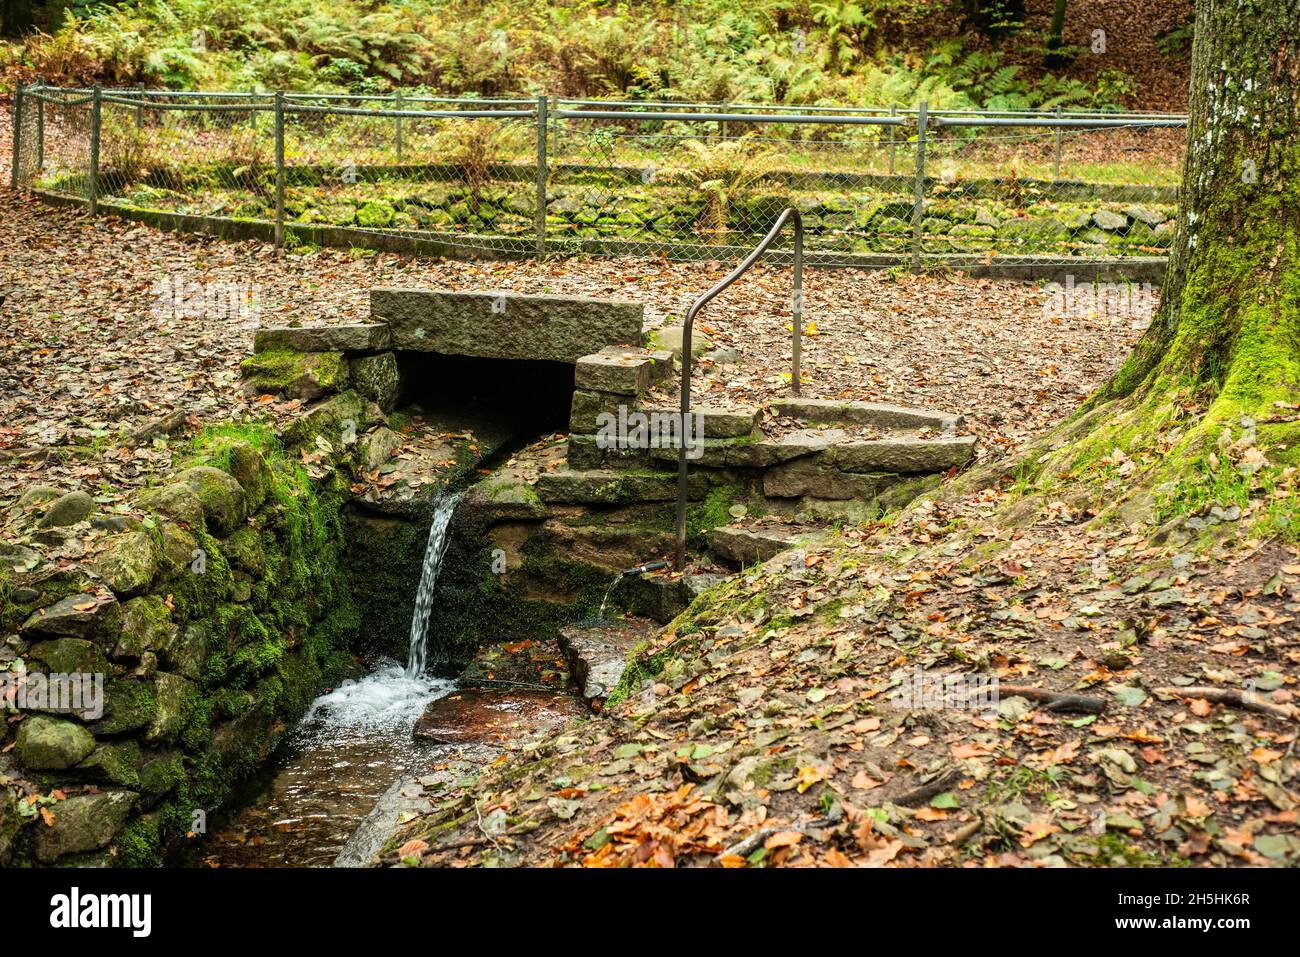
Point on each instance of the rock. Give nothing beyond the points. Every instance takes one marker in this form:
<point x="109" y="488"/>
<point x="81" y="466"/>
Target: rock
<point x="68" y="510"/>
<point x="356" y="337"/>
<point x="490" y="715"/>
<point x="985" y="218"/>
<point x="715" y="423"/>
<point x="598" y="654"/>
<point x="83" y="822"/>
<point x="588" y="407"/>
<point x="129" y="561"/>
<point x="603" y="487"/>
<point x="68" y="656"/>
<point x="505" y="325"/>
<point x="725" y="357"/>
<point x="1109" y="221"/>
<point x="808" y="477"/>
<point x="669" y="339"/>
<point x="129" y="705"/>
<point x="188" y="651"/>
<point x="18" y="558"/>
<point x="378" y="379"/>
<point x="1144" y="214"/>
<point x="220" y="496"/>
<point x="78" y="616"/>
<point x="745" y="546"/>
<point x="878" y="414"/>
<point x="299" y="375"/>
<point x="176" y="500"/>
<point x="49" y="744"/>
<point x="37" y="496"/>
<point x="170" y="691"/>
<point x="378" y="446"/>
<point x="792" y="445"/>
<point x="622" y="370"/>
<point x="114" y="763"/>
<point x="244" y="551"/>
<point x="146" y="626"/>
<point x="333" y="420"/>
<point x="249" y="468"/>
<point x="904" y="454"/>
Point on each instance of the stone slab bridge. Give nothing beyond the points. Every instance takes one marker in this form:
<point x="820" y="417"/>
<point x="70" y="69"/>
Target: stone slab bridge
<point x="798" y="455"/>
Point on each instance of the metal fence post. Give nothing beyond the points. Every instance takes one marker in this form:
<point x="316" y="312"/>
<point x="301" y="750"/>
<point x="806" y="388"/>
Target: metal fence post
<point x="918" y="199"/>
<point x="279" y="169"/>
<point x="893" y="111"/>
<point x="541" y="175"/>
<point x="18" y="134"/>
<point x="1056" y="163"/>
<point x="40" y="122"/>
<point x="397" y="123"/>
<point x="139" y="107"/>
<point x="96" y="103"/>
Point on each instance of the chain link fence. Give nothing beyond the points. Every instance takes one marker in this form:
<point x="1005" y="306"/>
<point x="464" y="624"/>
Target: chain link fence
<point x="528" y="176"/>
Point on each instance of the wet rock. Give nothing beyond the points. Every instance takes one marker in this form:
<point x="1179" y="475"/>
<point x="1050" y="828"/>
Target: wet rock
<point x="355" y="337"/>
<point x="505" y="325"/>
<point x="78" y="616"/>
<point x="378" y="379"/>
<point x="598" y="654"/>
<point x="129" y="561"/>
<point x="494" y="716"/>
<point x="67" y="510"/>
<point x="83" y="822"/>
<point x="220" y="496"/>
<point x="47" y="744"/>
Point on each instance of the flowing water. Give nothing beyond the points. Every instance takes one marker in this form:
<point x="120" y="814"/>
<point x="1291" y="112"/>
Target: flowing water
<point x="351" y="745"/>
<point x="433" y="552"/>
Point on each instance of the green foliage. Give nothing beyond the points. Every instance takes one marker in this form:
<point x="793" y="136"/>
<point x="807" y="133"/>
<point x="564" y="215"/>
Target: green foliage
<point x="777" y="50"/>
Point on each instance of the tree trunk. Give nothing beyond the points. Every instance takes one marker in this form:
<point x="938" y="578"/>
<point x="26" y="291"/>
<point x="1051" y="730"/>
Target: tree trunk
<point x="1055" y="33"/>
<point x="1226" y="339"/>
<point x="1207" y="406"/>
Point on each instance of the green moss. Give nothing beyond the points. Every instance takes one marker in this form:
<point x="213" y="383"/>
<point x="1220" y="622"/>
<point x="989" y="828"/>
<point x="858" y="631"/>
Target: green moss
<point x="140" y="843"/>
<point x="305" y="374"/>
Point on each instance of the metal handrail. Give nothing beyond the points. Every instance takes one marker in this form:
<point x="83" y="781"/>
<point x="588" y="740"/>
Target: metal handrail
<point x="788" y="214"/>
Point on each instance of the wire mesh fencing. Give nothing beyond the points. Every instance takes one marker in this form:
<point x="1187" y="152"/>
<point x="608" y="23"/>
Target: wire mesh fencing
<point x="528" y="176"/>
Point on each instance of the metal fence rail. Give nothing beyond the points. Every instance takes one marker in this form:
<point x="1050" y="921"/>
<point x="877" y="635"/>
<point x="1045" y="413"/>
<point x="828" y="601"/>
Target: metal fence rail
<point x="530" y="176"/>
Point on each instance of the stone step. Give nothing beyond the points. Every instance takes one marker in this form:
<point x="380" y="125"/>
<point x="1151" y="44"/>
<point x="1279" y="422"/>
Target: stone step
<point x="505" y="325"/>
<point x="739" y="545"/>
<point x="879" y="414"/>
<point x="355" y="337"/>
<point x="905" y="454"/>
<point x="623" y="370"/>
<point x="607" y="487"/>
<point x="598" y="653"/>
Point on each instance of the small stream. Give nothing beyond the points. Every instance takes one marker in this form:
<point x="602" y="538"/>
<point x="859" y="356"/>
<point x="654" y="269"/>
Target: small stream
<point x="352" y="744"/>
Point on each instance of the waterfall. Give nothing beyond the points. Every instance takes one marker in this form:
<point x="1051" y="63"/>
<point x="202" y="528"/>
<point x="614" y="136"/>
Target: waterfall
<point x="433" y="552"/>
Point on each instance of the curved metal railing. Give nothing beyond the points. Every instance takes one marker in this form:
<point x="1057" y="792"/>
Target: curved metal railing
<point x="789" y="214"/>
